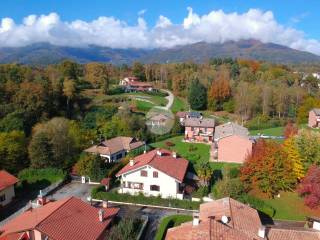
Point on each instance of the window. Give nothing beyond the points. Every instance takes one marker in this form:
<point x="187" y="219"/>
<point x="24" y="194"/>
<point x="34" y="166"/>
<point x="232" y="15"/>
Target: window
<point x="119" y="156"/>
<point x="144" y="173"/>
<point x="155" y="174"/>
<point x="155" y="188"/>
<point x="2" y="198"/>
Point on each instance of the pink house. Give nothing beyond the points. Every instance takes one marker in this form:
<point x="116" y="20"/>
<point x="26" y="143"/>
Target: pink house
<point x="199" y="130"/>
<point x="231" y="143"/>
<point x="314" y="118"/>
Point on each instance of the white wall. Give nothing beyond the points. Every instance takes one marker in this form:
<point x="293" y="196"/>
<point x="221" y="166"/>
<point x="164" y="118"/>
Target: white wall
<point x="168" y="185"/>
<point x="9" y="192"/>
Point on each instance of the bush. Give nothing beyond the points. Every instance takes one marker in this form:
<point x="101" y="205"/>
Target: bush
<point x="169" y="222"/>
<point x="31" y="175"/>
<point x="229" y="106"/>
<point x="141" y="199"/>
<point x="192" y="148"/>
<point x="263" y="122"/>
<point x="127" y="228"/>
<point x="233" y="188"/>
<point x="116" y="90"/>
<point x="170" y="144"/>
<point x="201" y="192"/>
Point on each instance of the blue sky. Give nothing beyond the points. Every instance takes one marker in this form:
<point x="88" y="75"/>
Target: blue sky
<point x="302" y="16"/>
<point x="286" y="12"/>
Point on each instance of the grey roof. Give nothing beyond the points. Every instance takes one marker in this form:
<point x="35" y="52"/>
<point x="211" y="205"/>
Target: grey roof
<point x="196" y="122"/>
<point x="316" y="111"/>
<point x="229" y="129"/>
<point x="194" y="114"/>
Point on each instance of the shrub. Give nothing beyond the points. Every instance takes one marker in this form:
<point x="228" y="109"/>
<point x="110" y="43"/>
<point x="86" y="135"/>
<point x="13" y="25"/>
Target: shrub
<point x="126" y="229"/>
<point x="141" y="199"/>
<point x="233" y="188"/>
<point x="170" y="144"/>
<point x="192" y="148"/>
<point x="263" y="122"/>
<point x="116" y="90"/>
<point x="201" y="192"/>
<point x="31" y="175"/>
<point x="169" y="222"/>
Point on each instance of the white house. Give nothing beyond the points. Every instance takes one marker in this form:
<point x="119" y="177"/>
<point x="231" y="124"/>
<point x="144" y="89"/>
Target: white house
<point x="7" y="182"/>
<point x="158" y="172"/>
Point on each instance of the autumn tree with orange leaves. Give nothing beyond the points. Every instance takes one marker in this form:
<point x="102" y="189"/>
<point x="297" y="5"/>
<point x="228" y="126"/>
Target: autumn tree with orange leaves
<point x="268" y="170"/>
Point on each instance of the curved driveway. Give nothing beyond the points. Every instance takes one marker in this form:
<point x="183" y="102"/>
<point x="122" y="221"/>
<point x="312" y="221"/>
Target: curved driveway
<point x="170" y="99"/>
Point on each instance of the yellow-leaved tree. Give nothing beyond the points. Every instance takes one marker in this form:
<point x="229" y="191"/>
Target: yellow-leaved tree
<point x="290" y="147"/>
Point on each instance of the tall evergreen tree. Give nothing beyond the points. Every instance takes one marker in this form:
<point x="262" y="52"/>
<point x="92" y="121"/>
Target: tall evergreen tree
<point x="197" y="95"/>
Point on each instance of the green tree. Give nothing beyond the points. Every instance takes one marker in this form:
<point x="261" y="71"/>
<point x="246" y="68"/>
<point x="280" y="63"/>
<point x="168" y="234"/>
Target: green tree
<point x="91" y="166"/>
<point x="204" y="172"/>
<point x="40" y="151"/>
<point x="138" y="71"/>
<point x="197" y="97"/>
<point x="13" y="154"/>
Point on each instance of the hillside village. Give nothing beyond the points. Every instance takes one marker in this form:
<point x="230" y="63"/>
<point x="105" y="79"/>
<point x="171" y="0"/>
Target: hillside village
<point x="219" y="176"/>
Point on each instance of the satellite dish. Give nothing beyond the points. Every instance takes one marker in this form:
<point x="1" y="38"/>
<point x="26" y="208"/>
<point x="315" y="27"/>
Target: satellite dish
<point x="224" y="219"/>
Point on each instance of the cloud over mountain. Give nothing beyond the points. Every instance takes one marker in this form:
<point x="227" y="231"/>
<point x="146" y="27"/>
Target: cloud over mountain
<point x="214" y="27"/>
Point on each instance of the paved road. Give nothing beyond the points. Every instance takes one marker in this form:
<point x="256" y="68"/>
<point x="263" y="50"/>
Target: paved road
<point x="155" y="215"/>
<point x="170" y="99"/>
<point x="75" y="189"/>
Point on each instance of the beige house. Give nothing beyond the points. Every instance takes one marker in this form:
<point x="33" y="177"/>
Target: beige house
<point x="231" y="143"/>
<point x="116" y="148"/>
<point x="314" y="118"/>
<point x="7" y="182"/>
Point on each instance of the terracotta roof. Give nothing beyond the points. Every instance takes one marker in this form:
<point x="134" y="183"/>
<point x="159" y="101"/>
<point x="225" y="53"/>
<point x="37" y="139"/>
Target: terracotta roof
<point x="166" y="163"/>
<point x="65" y="219"/>
<point x="139" y="84"/>
<point x="244" y="224"/>
<point x="196" y="122"/>
<point x="181" y="114"/>
<point x="7" y="180"/>
<point x="115" y="145"/>
<point x="316" y="111"/>
<point x="229" y="129"/>
<point x="292" y="234"/>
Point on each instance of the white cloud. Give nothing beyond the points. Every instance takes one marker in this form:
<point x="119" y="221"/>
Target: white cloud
<point x="216" y="26"/>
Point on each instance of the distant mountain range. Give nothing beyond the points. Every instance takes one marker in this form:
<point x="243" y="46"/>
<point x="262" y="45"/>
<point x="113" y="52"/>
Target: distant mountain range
<point x="44" y="53"/>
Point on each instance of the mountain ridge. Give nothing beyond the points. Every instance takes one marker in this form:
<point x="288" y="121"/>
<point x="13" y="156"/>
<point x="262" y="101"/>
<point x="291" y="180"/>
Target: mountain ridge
<point x="45" y="53"/>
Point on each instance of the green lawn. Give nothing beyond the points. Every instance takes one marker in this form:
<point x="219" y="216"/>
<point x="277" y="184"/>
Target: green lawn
<point x="276" y="131"/>
<point x="290" y="207"/>
<point x="169" y="222"/>
<point x="179" y="104"/>
<point x="144" y="106"/>
<point x="190" y="151"/>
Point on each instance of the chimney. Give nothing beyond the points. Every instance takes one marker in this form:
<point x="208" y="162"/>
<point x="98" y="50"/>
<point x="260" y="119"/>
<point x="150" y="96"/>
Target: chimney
<point x="196" y="220"/>
<point x="101" y="213"/>
<point x="262" y="232"/>
<point x="174" y="154"/>
<point x="159" y="153"/>
<point x="41" y="200"/>
<point x="131" y="162"/>
<point x="105" y="204"/>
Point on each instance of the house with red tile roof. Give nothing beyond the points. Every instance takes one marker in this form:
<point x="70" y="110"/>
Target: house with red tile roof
<point x="231" y="143"/>
<point x="7" y="182"/>
<point x="132" y="84"/>
<point x="157" y="172"/>
<point x="229" y="219"/>
<point x="314" y="118"/>
<point x="115" y="149"/>
<point x="66" y="219"/>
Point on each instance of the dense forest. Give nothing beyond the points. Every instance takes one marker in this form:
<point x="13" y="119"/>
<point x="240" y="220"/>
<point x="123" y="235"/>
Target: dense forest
<point x="46" y="119"/>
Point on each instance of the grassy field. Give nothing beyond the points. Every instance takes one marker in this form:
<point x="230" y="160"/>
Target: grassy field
<point x="179" y="104"/>
<point x="291" y="207"/>
<point x="191" y="151"/>
<point x="276" y="131"/>
<point x="169" y="222"/>
<point x="143" y="106"/>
